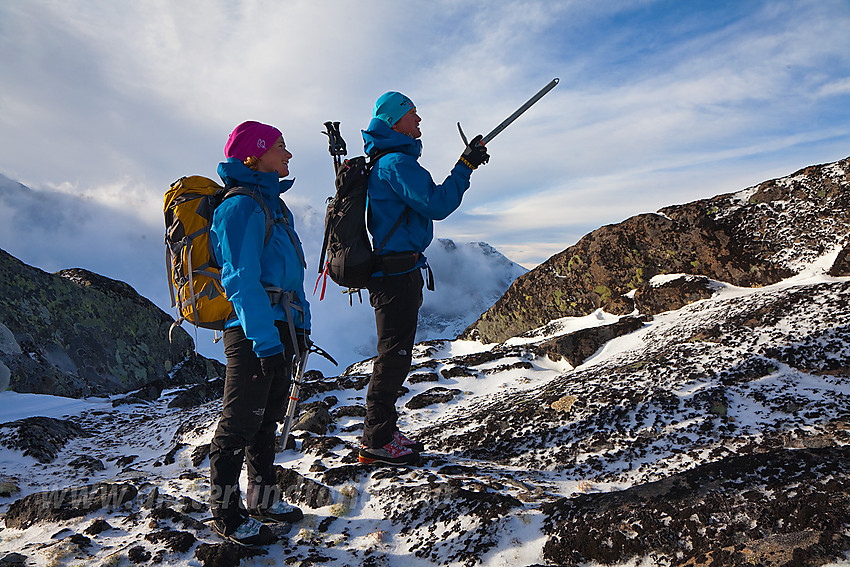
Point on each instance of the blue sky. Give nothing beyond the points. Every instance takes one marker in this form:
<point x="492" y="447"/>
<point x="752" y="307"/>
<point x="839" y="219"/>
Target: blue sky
<point x="661" y="102"/>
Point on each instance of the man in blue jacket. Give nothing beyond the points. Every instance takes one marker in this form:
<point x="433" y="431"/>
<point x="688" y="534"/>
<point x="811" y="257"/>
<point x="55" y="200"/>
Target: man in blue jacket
<point x="403" y="203"/>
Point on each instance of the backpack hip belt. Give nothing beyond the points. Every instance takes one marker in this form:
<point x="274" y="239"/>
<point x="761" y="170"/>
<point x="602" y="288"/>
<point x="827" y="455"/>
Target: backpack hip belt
<point x="278" y="296"/>
<point x="391" y="264"/>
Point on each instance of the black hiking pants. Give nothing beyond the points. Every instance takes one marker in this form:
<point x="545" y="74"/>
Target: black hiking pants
<point x="396" y="300"/>
<point x="252" y="407"/>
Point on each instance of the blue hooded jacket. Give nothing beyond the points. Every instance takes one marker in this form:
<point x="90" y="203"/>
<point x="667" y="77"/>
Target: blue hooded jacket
<point x="237" y="238"/>
<point x="398" y="181"/>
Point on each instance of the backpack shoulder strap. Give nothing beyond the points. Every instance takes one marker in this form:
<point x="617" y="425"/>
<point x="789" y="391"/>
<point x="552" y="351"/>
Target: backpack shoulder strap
<point x="291" y="232"/>
<point x="392" y="230"/>
<point x="238" y="190"/>
<point x="230" y="191"/>
<point x="374" y="157"/>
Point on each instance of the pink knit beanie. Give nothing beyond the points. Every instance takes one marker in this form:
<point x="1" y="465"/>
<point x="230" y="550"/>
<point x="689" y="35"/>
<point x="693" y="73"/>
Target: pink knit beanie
<point x="250" y="139"/>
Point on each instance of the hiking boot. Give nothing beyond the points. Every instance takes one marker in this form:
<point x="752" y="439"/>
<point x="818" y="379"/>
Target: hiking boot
<point x="404" y="441"/>
<point x="280" y="511"/>
<point x="249" y="532"/>
<point x="391" y="454"/>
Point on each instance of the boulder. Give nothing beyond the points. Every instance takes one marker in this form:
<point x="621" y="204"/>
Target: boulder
<point x="40" y="437"/>
<point x="73" y="502"/>
<point x="76" y="333"/>
<point x="674" y="293"/>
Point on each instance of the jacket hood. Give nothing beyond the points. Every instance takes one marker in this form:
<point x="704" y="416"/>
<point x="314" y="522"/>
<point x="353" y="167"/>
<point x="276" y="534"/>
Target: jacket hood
<point x="379" y="137"/>
<point x="233" y="172"/>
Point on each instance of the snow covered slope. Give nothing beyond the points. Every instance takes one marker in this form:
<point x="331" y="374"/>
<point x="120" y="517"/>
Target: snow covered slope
<point x="517" y="444"/>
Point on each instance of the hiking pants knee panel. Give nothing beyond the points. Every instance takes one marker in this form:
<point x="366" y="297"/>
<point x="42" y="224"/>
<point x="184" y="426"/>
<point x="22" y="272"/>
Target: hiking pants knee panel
<point x="396" y="300"/>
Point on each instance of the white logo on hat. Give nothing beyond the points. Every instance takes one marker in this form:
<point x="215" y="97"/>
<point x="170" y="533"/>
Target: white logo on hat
<point x="261" y="144"/>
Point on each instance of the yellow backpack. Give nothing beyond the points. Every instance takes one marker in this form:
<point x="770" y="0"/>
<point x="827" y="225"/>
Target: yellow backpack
<point x="193" y="273"/>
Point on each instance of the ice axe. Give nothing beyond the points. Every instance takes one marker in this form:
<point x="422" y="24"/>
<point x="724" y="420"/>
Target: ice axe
<point x="296" y="388"/>
<point x="507" y="121"/>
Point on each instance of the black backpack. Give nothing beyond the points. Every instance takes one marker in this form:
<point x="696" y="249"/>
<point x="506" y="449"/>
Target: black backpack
<point x="350" y="258"/>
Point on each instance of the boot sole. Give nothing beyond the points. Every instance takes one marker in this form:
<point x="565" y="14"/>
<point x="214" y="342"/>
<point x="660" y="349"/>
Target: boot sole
<point x="371" y="460"/>
<point x="232" y="539"/>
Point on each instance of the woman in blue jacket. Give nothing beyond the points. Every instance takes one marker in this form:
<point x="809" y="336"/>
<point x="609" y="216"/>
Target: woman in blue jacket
<point x="403" y="203"/>
<point x="263" y="277"/>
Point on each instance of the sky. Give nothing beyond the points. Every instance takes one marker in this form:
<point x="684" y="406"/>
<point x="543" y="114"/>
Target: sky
<point x="660" y="102"/>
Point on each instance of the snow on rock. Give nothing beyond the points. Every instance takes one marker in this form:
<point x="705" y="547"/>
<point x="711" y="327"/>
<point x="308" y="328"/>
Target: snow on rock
<point x="751" y="238"/>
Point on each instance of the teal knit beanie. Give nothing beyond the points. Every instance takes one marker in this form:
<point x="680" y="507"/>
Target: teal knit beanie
<point x="391" y="106"/>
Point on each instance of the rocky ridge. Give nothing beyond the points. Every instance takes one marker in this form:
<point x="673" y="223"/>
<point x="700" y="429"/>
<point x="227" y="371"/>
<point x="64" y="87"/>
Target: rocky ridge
<point x="750" y="238"/>
<point x="715" y="434"/>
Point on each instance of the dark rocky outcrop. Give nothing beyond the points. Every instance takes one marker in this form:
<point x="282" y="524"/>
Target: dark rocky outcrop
<point x="580" y="345"/>
<point x="77" y="334"/>
<point x="436" y="395"/>
<point x="72" y="502"/>
<point x="785" y="507"/>
<point x="320" y="445"/>
<point x="841" y="266"/>
<point x="39" y="437"/>
<point x="198" y="394"/>
<point x="743" y="238"/>
<point x="13" y="560"/>
<point x="298" y="488"/>
<point x="226" y="554"/>
<point x="175" y="540"/>
<point x="673" y="294"/>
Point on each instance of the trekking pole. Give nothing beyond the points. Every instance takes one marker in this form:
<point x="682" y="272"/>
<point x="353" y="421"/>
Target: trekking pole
<point x="507" y="121"/>
<point x="293" y="397"/>
<point x="336" y="145"/>
<point x="297" y="380"/>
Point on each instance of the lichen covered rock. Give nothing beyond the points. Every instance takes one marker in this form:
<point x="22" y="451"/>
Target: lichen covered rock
<point x="77" y="334"/>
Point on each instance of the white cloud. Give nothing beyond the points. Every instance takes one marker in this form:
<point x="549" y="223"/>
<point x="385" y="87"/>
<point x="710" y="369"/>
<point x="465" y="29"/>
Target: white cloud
<point x="659" y="102"/>
<point x="835" y="88"/>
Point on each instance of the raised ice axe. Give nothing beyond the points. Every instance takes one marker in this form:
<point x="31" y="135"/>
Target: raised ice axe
<point x="507" y="121"/>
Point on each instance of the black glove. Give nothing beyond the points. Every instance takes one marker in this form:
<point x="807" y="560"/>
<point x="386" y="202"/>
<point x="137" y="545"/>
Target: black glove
<point x="303" y="338"/>
<point x="274" y="367"/>
<point x="475" y="153"/>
